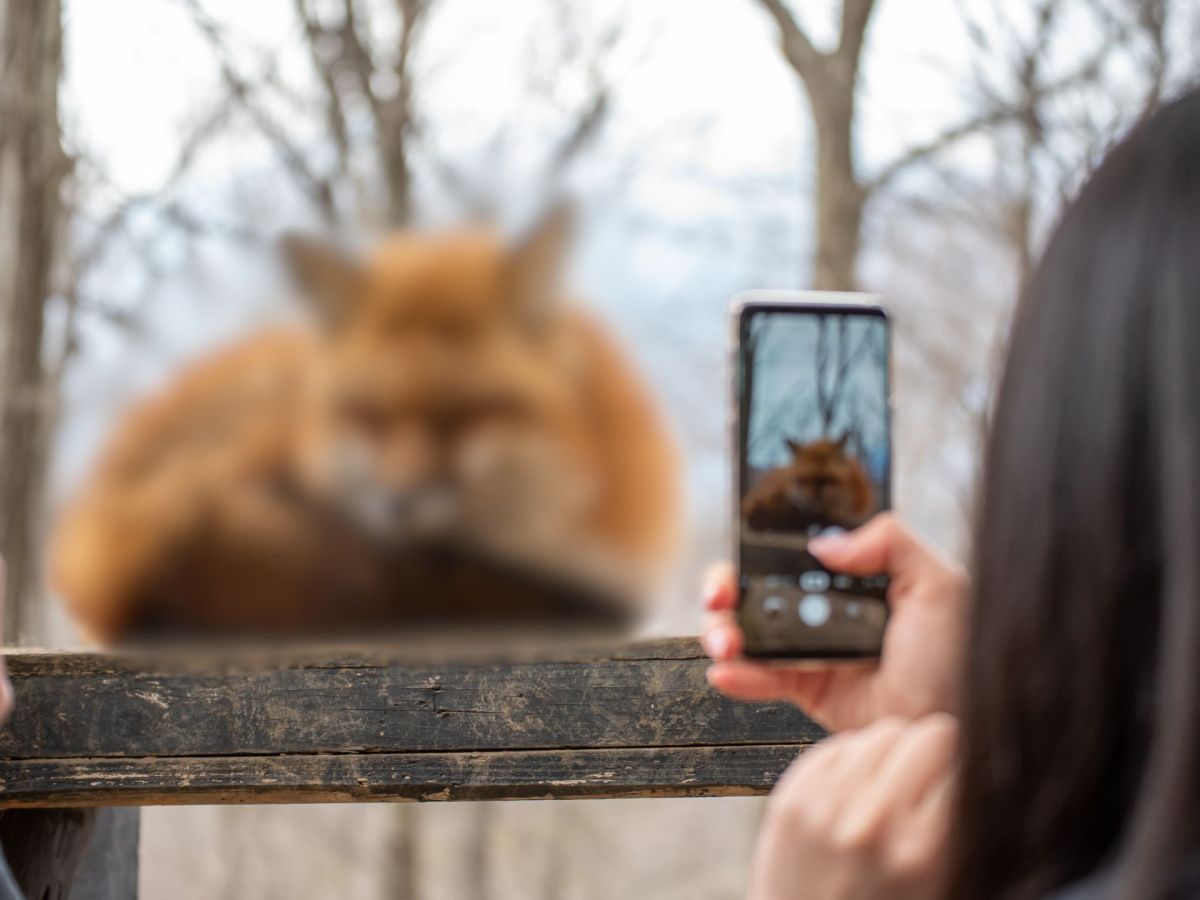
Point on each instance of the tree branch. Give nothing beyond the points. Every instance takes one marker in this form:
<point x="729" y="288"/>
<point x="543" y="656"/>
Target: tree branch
<point x="335" y="114"/>
<point x="855" y="16"/>
<point x="586" y="127"/>
<point x="921" y="152"/>
<point x="991" y="118"/>
<point x="798" y="49"/>
<point x="318" y="189"/>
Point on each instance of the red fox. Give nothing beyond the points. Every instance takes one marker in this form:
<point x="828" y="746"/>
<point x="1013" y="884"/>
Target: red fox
<point x="822" y="485"/>
<point x="449" y="401"/>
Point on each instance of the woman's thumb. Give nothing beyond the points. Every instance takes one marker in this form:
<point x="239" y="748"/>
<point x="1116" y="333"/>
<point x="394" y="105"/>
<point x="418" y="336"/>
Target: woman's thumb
<point x="882" y="546"/>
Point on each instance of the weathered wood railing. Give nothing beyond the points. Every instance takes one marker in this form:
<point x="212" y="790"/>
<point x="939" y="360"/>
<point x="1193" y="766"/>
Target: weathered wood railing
<point x="310" y="726"/>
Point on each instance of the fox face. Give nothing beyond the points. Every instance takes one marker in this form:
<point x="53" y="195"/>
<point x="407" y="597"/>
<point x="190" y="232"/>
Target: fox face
<point x="445" y="402"/>
<point x="823" y="485"/>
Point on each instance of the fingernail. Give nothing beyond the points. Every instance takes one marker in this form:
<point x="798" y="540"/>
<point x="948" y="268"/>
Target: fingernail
<point x="717" y="644"/>
<point x="828" y="542"/>
<point x="710" y="588"/>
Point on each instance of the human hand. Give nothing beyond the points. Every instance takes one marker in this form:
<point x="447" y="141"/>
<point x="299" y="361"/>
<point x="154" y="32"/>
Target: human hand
<point x="918" y="669"/>
<point x="863" y="815"/>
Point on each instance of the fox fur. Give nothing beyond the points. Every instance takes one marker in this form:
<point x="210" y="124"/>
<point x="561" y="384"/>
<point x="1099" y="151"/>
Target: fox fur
<point x="449" y="397"/>
<point x="822" y="485"/>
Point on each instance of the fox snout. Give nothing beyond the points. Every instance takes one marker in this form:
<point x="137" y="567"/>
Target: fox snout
<point x="421" y="511"/>
<point x="420" y="505"/>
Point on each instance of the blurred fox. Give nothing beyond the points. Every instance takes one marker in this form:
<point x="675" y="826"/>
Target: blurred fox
<point x="450" y="406"/>
<point x="822" y="485"/>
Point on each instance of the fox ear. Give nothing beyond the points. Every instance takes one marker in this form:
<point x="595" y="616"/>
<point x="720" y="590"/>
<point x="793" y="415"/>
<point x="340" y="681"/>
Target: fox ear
<point x="535" y="264"/>
<point x="841" y="442"/>
<point x="329" y="277"/>
<point x="795" y="447"/>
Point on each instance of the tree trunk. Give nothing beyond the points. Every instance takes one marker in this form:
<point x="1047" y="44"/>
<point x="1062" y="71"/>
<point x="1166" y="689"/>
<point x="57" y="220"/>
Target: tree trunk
<point x="32" y="168"/>
<point x="393" y="150"/>
<point x="840" y="197"/>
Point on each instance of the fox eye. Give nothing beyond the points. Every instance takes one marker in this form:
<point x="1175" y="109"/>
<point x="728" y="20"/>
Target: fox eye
<point x="502" y="408"/>
<point x="485" y="411"/>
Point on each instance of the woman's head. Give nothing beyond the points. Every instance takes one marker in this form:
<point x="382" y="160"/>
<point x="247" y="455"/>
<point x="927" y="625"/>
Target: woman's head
<point x="1081" y="727"/>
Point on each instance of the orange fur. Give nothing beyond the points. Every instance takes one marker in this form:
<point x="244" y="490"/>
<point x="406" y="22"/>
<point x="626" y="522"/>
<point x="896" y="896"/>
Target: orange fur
<point x="450" y="395"/>
<point x="822" y="485"/>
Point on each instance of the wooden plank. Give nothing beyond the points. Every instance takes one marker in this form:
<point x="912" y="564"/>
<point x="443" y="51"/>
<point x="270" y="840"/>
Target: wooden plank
<point x="470" y="649"/>
<point x="109" y="707"/>
<point x="538" y="774"/>
<point x="311" y="725"/>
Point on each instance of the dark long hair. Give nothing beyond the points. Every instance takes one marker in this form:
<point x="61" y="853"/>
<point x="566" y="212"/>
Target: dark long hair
<point x="1081" y="721"/>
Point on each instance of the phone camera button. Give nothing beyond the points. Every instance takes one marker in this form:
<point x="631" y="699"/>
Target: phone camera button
<point x="774" y="606"/>
<point x="814" y="582"/>
<point x="842" y="582"/>
<point x="814" y="610"/>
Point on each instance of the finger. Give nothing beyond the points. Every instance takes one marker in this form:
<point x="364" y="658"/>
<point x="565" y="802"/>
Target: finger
<point x="802" y="785"/>
<point x="882" y="545"/>
<point x="918" y="758"/>
<point x="722" y="639"/>
<point x="934" y="809"/>
<point x="860" y="756"/>
<point x="868" y="749"/>
<point x="923" y="757"/>
<point x="751" y="681"/>
<point x="718" y="587"/>
<point x="919" y="841"/>
<point x="828" y="695"/>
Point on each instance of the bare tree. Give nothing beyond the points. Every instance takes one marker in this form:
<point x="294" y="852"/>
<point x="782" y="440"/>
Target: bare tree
<point x="33" y="167"/>
<point x="1063" y="90"/>
<point x="1053" y="137"/>
<point x="373" y="174"/>
<point x="830" y="79"/>
<point x="346" y="47"/>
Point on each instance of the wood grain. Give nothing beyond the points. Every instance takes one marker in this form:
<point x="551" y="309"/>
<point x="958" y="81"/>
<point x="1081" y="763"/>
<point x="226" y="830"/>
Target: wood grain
<point x="535" y="774"/>
<point x="362" y="725"/>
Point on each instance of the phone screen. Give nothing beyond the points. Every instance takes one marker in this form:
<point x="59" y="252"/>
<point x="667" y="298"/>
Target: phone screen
<point x="813" y="426"/>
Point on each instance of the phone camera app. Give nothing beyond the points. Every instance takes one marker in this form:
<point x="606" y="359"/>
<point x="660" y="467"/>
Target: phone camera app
<point x="814" y="458"/>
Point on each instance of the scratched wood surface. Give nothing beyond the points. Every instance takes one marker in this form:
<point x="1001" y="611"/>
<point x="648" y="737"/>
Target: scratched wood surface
<point x="312" y="725"/>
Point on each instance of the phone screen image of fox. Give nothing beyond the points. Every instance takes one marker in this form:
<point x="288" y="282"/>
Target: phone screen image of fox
<point x="815" y="427"/>
<point x="450" y="439"/>
<point x="822" y="485"/>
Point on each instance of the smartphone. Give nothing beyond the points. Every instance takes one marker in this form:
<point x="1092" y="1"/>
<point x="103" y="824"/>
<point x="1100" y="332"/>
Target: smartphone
<point x="812" y="419"/>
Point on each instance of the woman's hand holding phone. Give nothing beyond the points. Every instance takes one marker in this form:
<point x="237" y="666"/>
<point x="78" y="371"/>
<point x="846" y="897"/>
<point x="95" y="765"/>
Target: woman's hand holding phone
<point x="919" y="665"/>
<point x="864" y="814"/>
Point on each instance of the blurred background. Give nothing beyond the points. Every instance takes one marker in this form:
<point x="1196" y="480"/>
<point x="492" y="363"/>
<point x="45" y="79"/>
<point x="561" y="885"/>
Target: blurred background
<point x="152" y="150"/>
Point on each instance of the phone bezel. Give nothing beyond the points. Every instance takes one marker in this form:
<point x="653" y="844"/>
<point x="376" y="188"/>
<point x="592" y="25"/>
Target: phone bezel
<point x="747" y="303"/>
